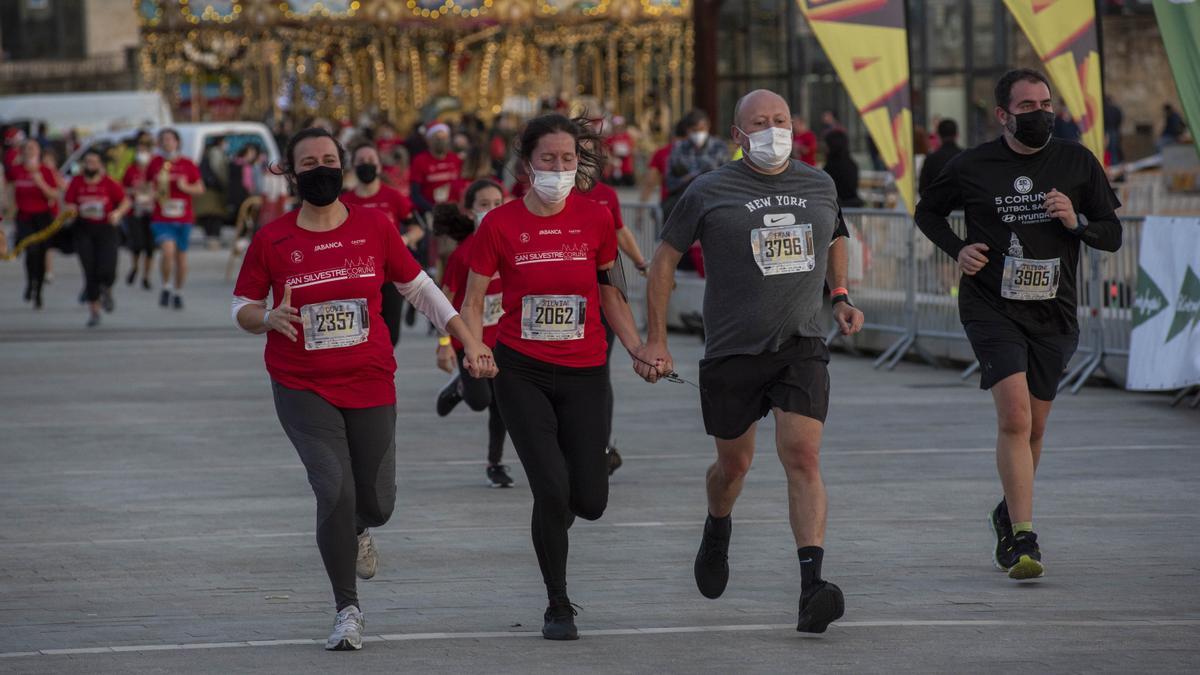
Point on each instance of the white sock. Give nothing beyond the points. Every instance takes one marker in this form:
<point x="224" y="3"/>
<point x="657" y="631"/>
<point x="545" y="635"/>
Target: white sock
<point x="168" y="286"/>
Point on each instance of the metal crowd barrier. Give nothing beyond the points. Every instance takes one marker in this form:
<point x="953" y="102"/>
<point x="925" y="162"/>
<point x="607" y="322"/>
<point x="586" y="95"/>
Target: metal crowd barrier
<point x="908" y="289"/>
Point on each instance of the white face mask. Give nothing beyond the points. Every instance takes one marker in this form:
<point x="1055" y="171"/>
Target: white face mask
<point x="552" y="186"/>
<point x="143" y="157"/>
<point x="698" y="138"/>
<point x="478" y="215"/>
<point x="769" y="148"/>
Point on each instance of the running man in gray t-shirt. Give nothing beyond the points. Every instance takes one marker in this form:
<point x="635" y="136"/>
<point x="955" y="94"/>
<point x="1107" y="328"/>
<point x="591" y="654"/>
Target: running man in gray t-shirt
<point x="772" y="236"/>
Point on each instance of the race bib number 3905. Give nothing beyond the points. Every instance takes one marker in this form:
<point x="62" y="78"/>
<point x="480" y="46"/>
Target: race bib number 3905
<point x="553" y="317"/>
<point x="1026" y="279"/>
<point x="783" y="250"/>
<point x="333" y="324"/>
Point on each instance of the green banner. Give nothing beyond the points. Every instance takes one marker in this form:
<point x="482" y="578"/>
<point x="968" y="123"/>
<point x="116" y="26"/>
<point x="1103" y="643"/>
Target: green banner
<point x="1179" y="23"/>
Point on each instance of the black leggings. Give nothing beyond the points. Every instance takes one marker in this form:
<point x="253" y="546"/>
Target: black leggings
<point x="392" y="310"/>
<point x="555" y="416"/>
<point x="35" y="256"/>
<point x="350" y="457"/>
<point x="479" y="394"/>
<point x="96" y="244"/>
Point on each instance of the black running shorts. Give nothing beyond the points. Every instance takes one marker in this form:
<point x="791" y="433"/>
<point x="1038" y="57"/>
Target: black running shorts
<point x="737" y="391"/>
<point x="1003" y="348"/>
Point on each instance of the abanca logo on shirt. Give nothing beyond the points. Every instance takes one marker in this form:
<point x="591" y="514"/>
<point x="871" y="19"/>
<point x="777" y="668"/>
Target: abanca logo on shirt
<point x="326" y="247"/>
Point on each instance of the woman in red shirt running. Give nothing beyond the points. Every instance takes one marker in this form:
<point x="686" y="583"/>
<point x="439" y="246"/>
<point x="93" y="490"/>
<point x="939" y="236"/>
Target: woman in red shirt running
<point x="372" y="193"/>
<point x="553" y="251"/>
<point x="448" y="220"/>
<point x="101" y="204"/>
<point x="332" y="369"/>
<point x="33" y="193"/>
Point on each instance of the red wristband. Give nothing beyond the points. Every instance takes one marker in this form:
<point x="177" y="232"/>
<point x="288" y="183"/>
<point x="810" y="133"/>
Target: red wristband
<point x="840" y="290"/>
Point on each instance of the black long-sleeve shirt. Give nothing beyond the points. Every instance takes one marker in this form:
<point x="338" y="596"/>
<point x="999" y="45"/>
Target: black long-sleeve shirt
<point x="1002" y="193"/>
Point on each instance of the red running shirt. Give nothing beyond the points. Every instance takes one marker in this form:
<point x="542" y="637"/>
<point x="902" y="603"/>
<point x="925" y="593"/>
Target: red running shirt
<point x="94" y="200"/>
<point x="347" y="263"/>
<point x="387" y="201"/>
<point x="605" y="196"/>
<point x="659" y="161"/>
<point x="554" y="255"/>
<point x="458" y="266"/>
<point x="177" y="208"/>
<point x="435" y="176"/>
<point x="29" y="197"/>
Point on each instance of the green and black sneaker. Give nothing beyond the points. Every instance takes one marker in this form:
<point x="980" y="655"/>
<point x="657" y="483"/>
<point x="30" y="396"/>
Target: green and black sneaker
<point x="1026" y="557"/>
<point x="1001" y="528"/>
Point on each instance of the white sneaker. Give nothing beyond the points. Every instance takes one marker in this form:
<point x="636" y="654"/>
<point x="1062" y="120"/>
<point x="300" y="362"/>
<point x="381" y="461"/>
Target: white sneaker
<point x="368" y="556"/>
<point x="347" y="631"/>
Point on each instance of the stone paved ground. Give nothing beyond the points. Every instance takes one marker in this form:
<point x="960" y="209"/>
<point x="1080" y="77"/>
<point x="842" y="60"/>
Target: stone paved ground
<point x="154" y="518"/>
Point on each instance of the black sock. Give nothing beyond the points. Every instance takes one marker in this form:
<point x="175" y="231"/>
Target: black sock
<point x="810" y="565"/>
<point x="719" y="527"/>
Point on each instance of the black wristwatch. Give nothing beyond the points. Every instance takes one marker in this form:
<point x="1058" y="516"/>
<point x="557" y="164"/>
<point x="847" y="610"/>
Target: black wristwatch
<point x="841" y="297"/>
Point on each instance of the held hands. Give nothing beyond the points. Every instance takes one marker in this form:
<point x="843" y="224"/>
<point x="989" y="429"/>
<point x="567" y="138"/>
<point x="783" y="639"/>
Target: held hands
<point x="971" y="258"/>
<point x="447" y="360"/>
<point x="849" y="319"/>
<point x="651" y="353"/>
<point x="1059" y="206"/>
<point x="479" y="361"/>
<point x="282" y="317"/>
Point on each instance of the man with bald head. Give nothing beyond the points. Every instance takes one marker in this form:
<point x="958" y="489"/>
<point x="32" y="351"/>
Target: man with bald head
<point x="772" y="236"/>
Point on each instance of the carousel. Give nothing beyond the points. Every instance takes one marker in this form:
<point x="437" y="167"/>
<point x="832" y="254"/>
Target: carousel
<point x="407" y="60"/>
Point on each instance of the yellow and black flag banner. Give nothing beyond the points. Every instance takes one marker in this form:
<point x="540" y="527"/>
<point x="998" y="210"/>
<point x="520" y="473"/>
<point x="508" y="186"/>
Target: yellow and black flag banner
<point x="41" y="236"/>
<point x="867" y="42"/>
<point x="1064" y="35"/>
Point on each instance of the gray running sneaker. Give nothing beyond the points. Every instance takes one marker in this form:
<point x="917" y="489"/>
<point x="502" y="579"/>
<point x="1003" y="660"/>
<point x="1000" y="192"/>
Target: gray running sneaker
<point x="368" y="556"/>
<point x="347" y="631"/>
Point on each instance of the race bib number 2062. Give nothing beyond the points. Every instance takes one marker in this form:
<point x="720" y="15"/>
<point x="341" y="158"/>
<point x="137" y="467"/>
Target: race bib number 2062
<point x="553" y="317"/>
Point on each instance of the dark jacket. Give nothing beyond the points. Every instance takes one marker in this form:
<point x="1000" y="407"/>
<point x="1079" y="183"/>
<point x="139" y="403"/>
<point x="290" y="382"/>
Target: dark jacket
<point x="935" y="162"/>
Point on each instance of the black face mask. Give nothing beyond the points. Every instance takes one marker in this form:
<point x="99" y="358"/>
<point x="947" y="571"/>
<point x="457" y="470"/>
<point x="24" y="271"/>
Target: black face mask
<point x="439" y="147"/>
<point x="91" y="173"/>
<point x="366" y="173"/>
<point x="320" y="186"/>
<point x="1032" y="129"/>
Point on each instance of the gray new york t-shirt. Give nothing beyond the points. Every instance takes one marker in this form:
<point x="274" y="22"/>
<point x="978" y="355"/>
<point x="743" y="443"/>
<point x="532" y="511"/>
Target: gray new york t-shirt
<point x="766" y="245"/>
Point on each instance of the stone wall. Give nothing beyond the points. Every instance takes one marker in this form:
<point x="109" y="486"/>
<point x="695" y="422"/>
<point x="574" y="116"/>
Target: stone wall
<point x="112" y="27"/>
<point x="1136" y="74"/>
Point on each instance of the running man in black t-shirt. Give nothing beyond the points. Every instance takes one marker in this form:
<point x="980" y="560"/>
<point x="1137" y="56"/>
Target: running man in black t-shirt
<point x="1029" y="201"/>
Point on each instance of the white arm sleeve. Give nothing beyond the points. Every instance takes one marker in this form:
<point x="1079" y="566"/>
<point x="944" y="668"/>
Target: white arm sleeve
<point x="241" y="301"/>
<point x="428" y="299"/>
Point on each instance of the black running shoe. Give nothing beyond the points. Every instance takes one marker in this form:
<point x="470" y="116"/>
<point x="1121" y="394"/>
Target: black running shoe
<point x="164" y="298"/>
<point x="498" y="475"/>
<point x="712" y="563"/>
<point x="820" y="605"/>
<point x="614" y="460"/>
<point x="1001" y="528"/>
<point x="449" y="396"/>
<point x="177" y="301"/>
<point x="560" y="622"/>
<point x="145" y="284"/>
<point x="1026" y="557"/>
<point x="93" y="321"/>
<point x="106" y="300"/>
<point x="130" y="277"/>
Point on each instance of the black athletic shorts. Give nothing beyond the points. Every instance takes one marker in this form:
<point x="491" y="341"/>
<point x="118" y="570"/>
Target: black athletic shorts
<point x="737" y="391"/>
<point x="1003" y="347"/>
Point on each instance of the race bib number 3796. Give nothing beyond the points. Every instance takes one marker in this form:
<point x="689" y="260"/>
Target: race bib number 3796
<point x="337" y="323"/>
<point x="553" y="317"/>
<point x="783" y="250"/>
